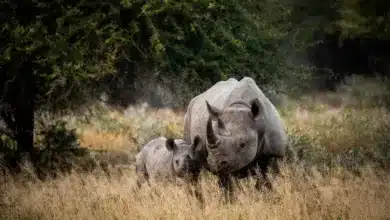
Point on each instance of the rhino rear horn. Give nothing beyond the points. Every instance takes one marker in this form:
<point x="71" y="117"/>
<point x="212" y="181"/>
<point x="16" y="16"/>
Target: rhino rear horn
<point x="213" y="111"/>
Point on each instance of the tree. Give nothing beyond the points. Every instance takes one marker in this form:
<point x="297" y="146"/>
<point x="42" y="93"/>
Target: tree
<point x="52" y="54"/>
<point x="193" y="44"/>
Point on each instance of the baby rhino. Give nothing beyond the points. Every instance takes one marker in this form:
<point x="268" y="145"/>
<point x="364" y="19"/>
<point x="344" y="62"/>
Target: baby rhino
<point x="168" y="158"/>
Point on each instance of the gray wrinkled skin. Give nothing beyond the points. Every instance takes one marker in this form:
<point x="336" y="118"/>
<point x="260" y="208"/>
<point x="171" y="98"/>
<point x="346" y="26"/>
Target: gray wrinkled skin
<point x="167" y="159"/>
<point x="239" y="125"/>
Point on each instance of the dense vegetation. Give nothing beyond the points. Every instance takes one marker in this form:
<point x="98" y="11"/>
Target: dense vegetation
<point x="341" y="140"/>
<point x="74" y="76"/>
<point x="62" y="55"/>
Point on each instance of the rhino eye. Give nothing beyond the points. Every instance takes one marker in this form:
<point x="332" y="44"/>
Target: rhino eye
<point x="177" y="162"/>
<point x="242" y="145"/>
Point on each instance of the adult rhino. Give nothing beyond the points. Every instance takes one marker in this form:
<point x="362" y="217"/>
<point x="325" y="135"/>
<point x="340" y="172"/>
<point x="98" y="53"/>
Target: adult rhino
<point x="241" y="128"/>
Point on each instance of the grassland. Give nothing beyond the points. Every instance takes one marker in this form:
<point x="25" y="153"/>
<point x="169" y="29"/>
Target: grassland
<point x="341" y="140"/>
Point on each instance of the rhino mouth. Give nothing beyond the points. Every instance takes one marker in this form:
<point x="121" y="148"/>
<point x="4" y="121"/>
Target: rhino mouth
<point x="222" y="172"/>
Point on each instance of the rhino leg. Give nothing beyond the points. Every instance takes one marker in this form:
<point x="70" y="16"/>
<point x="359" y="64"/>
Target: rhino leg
<point x="142" y="179"/>
<point x="198" y="193"/>
<point x="195" y="184"/>
<point x="274" y="163"/>
<point x="263" y="163"/>
<point x="266" y="162"/>
<point x="226" y="184"/>
<point x="142" y="174"/>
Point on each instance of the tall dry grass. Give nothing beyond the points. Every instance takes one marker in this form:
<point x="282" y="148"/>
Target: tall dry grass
<point x="330" y="139"/>
<point x="296" y="196"/>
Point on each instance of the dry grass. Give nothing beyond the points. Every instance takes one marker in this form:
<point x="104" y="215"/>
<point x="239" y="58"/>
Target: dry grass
<point x="339" y="129"/>
<point x="296" y="196"/>
<point x="317" y="125"/>
<point x="128" y="130"/>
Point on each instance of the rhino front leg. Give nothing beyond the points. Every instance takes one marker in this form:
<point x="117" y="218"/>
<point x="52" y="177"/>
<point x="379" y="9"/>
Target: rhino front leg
<point x="275" y="164"/>
<point x="263" y="180"/>
<point x="226" y="184"/>
<point x="195" y="189"/>
<point x="142" y="174"/>
<point x="198" y="193"/>
<point x="141" y="179"/>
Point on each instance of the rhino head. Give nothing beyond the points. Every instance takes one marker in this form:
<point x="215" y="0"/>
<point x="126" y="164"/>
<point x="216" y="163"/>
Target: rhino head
<point x="184" y="159"/>
<point x="233" y="136"/>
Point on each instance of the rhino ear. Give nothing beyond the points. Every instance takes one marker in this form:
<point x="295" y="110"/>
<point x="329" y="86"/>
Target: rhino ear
<point x="256" y="108"/>
<point x="170" y="144"/>
<point x="197" y="144"/>
<point x="213" y="111"/>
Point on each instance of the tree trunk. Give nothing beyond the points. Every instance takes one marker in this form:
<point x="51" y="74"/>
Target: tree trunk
<point x="24" y="121"/>
<point x="18" y="107"/>
<point x="24" y="111"/>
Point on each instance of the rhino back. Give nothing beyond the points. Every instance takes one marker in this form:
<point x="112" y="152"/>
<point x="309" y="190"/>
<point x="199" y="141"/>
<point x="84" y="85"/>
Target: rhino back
<point x="142" y="157"/>
<point x="157" y="159"/>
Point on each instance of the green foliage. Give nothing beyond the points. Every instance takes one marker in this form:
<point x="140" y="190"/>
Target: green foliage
<point x="207" y="41"/>
<point x="363" y="18"/>
<point x="53" y="56"/>
<point x="60" y="55"/>
<point x="367" y="93"/>
<point x="59" y="151"/>
<point x="67" y="46"/>
<point x="190" y="45"/>
<point x="352" y="18"/>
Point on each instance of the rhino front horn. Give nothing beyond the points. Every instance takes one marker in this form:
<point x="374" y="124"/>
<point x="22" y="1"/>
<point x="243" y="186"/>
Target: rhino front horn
<point x="212" y="139"/>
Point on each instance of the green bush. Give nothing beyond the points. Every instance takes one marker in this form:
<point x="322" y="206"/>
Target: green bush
<point x="311" y="152"/>
<point x="193" y="44"/>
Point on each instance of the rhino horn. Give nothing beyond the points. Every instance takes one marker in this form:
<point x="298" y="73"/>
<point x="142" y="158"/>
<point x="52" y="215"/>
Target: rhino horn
<point x="212" y="139"/>
<point x="214" y="115"/>
<point x="213" y="111"/>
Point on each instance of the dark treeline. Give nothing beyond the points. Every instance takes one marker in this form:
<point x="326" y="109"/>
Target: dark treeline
<point x="62" y="55"/>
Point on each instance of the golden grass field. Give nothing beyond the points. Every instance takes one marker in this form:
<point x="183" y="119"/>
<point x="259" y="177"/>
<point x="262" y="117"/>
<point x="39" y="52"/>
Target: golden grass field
<point x="335" y="123"/>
